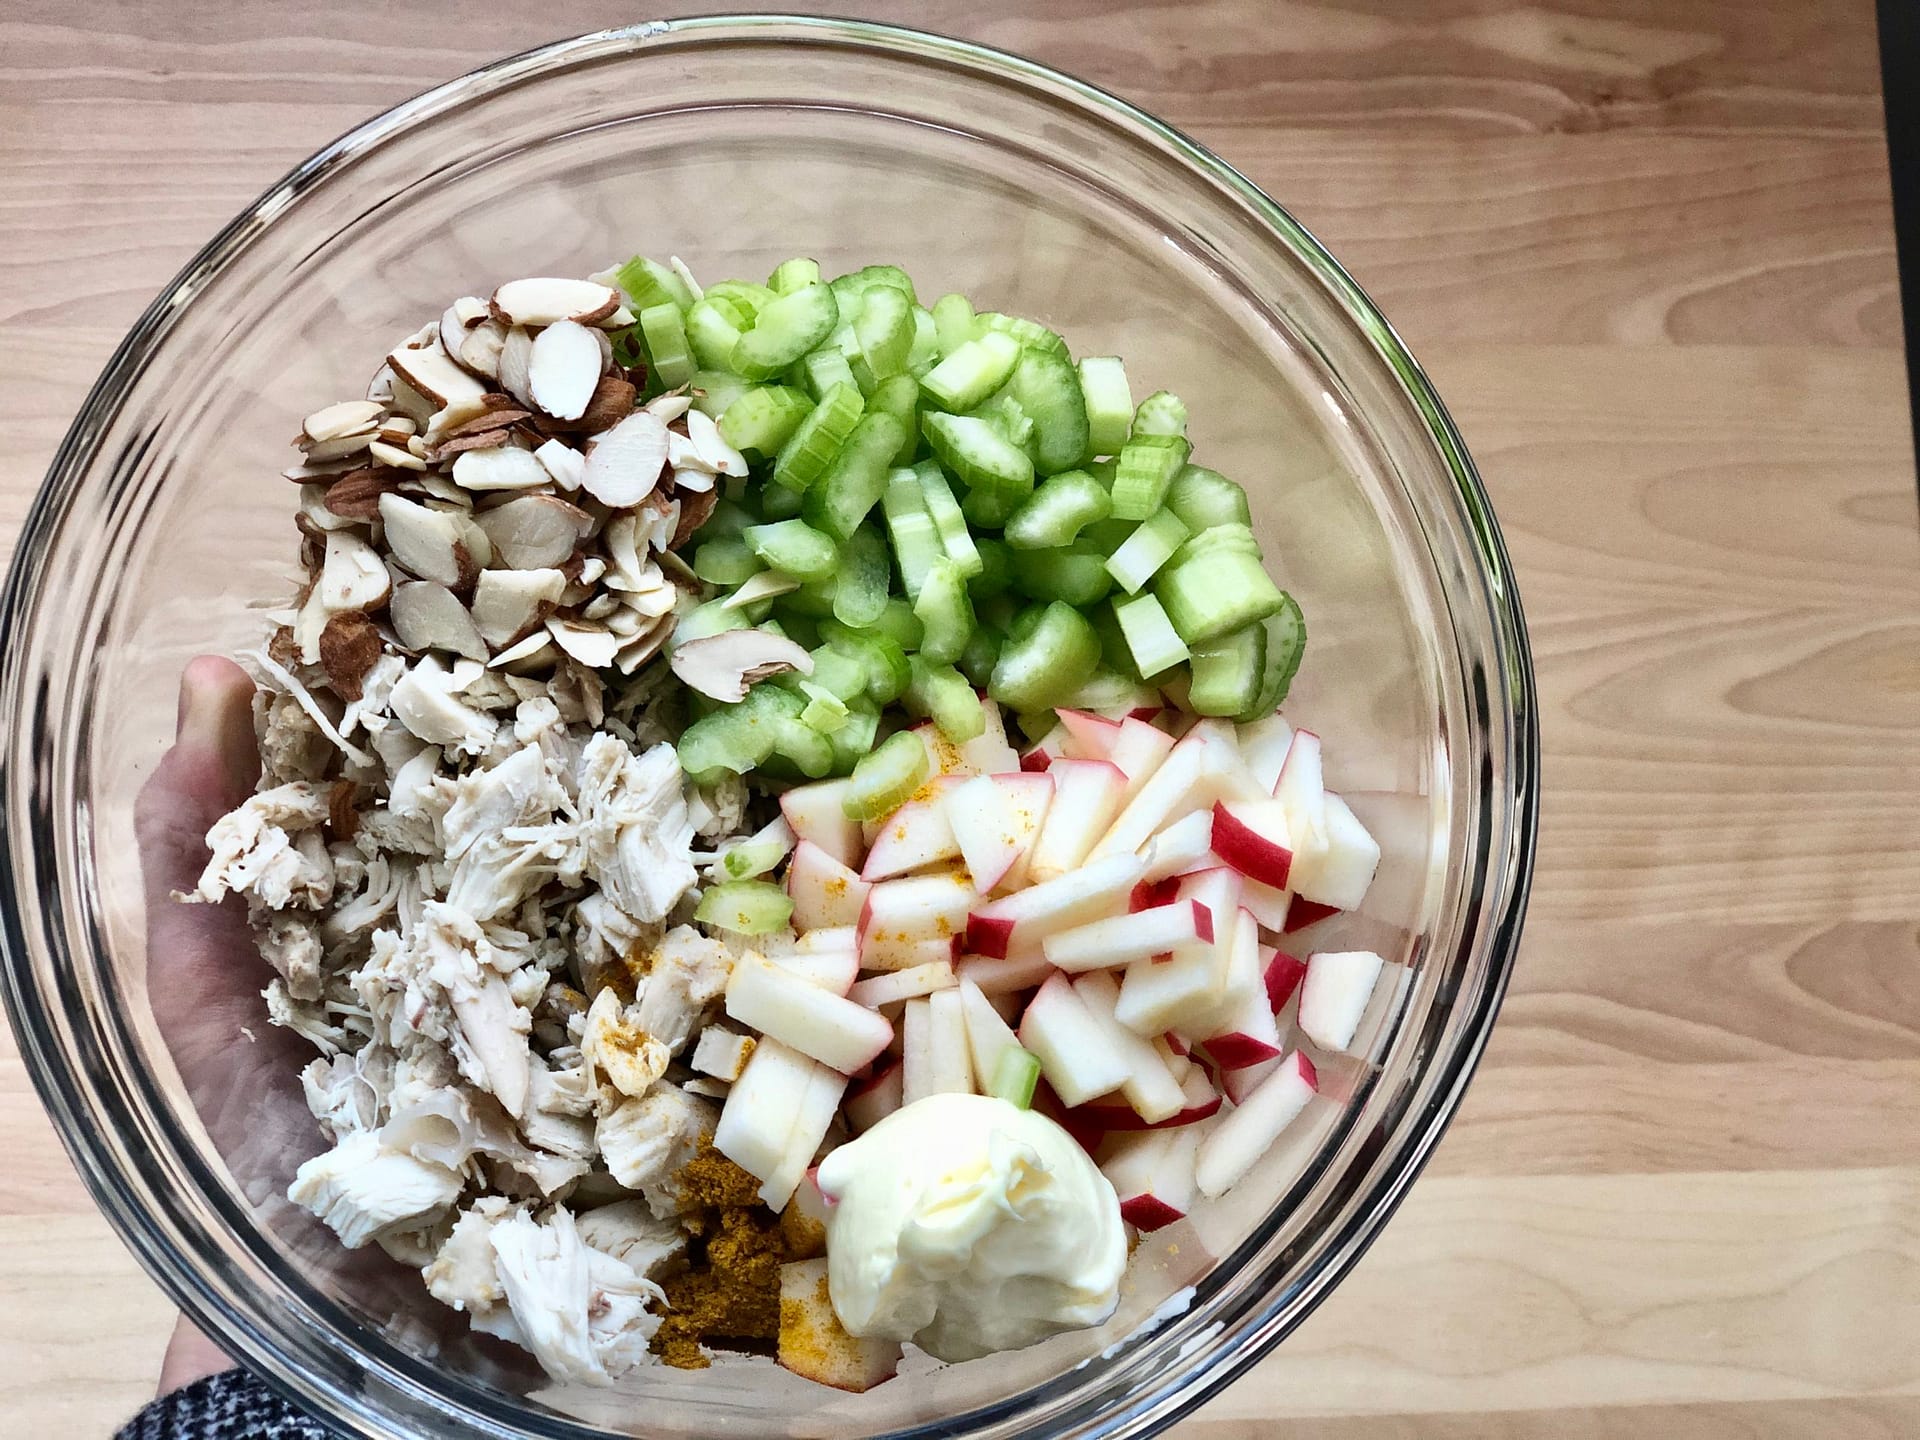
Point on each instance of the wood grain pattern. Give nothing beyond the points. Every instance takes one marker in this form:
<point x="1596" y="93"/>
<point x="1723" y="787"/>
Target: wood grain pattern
<point x="1645" y="248"/>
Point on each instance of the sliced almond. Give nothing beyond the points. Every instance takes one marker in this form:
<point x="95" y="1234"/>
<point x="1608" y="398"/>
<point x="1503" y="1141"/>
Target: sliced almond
<point x="458" y="319"/>
<point x="684" y="455"/>
<point x="546" y="300"/>
<point x="338" y="447"/>
<point x="625" y="621"/>
<point x="380" y="387"/>
<point x="721" y="457"/>
<point x="353" y="577"/>
<point x="396" y="429"/>
<point x="509" y="603"/>
<point x="533" y="532"/>
<point x="356" y="496"/>
<point x="723" y="666"/>
<point x="564" y="368"/>
<point x="620" y="319"/>
<point x="422" y="540"/>
<point x="449" y="416"/>
<point x="644" y="647"/>
<point x="591" y="569"/>
<point x="349" y="417"/>
<point x="427" y="616"/>
<point x="322" y="471"/>
<point x="478" y="546"/>
<point x="410" y="402"/>
<point x="763" y="585"/>
<point x="417" y="446"/>
<point x="472" y="440"/>
<point x="679" y="267"/>
<point x="694" y="482"/>
<point x="612" y="402"/>
<point x="591" y="645"/>
<point x="349" y="645"/>
<point x="480" y="350"/>
<point x="439" y="487"/>
<point x="432" y="372"/>
<point x="565" y="464"/>
<point x="527" y="653"/>
<point x="695" y="511"/>
<point x="505" y="468"/>
<point x="671" y="406"/>
<point x="314" y="511"/>
<point x="516" y="355"/>
<point x="624" y="463"/>
<point x="398" y="456"/>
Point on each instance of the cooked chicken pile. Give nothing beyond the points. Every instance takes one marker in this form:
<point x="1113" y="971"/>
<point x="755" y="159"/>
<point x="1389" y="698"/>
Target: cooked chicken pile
<point x="472" y="841"/>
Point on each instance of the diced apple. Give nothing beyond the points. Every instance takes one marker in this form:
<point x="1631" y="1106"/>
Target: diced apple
<point x="803" y="1224"/>
<point x="814" y="1344"/>
<point x="1253" y="837"/>
<point x="1088" y="736"/>
<point x="1238" y="1084"/>
<point x="1264" y="745"/>
<point x="989" y="752"/>
<point x="994" y="819"/>
<point x="1002" y="975"/>
<point x="825" y="893"/>
<point x="827" y="1027"/>
<point x="1182" y="988"/>
<point x="898" y="985"/>
<point x="913" y="837"/>
<point x="1335" y="993"/>
<point x="1149" y="1087"/>
<point x="1139" y="749"/>
<point x="1185" y="845"/>
<point x="989" y="1036"/>
<point x="1246" y="1035"/>
<point x="819" y="1103"/>
<point x="1199" y="1100"/>
<point x="761" y="1108"/>
<point x="833" y="970"/>
<point x="1302" y="912"/>
<point x="815" y="813"/>
<point x="1283" y="976"/>
<point x="1086" y="796"/>
<point x="836" y="939"/>
<point x="1152" y="894"/>
<point x="876" y="1097"/>
<point x="947" y="758"/>
<point x="1219" y="889"/>
<point x="899" y="916"/>
<point x="1338" y="871"/>
<point x="1070" y="1044"/>
<point x="1301" y="787"/>
<point x="1016" y="924"/>
<point x="1243" y="1135"/>
<point x="1039" y="757"/>
<point x="721" y="1053"/>
<point x="1174" y="1055"/>
<point x="1123" y="939"/>
<point x="1269" y="906"/>
<point x="936" y="1059"/>
<point x="1152" y="1173"/>
<point x="1244" y="988"/>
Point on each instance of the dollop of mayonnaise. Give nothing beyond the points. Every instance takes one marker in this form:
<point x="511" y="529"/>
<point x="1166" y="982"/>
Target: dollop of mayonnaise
<point x="968" y="1225"/>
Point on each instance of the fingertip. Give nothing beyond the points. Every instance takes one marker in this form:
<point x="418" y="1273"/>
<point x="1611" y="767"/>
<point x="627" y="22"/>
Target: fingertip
<point x="209" y="687"/>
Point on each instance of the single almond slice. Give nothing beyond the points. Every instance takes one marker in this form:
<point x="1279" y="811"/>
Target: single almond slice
<point x="564" y="369"/>
<point x="624" y="463"/>
<point x="480" y="349"/>
<point x="721" y="457"/>
<point x="459" y="318"/>
<point x="683" y="455"/>
<point x="723" y="666"/>
<point x="544" y="300"/>
<point x="449" y="416"/>
<point x="356" y="495"/>
<point x="612" y="402"/>
<point x="424" y="542"/>
<point x="337" y="447"/>
<point x="472" y="440"/>
<point x="516" y="355"/>
<point x="396" y="429"/>
<point x="619" y="319"/>
<point x="349" y="645"/>
<point x="427" y="616"/>
<point x="504" y="468"/>
<point x="591" y="645"/>
<point x="644" y="646"/>
<point x="314" y="512"/>
<point x="417" y="446"/>
<point x="349" y="417"/>
<point x="380" y="387"/>
<point x="694" y="482"/>
<point x="670" y="406"/>
<point x="565" y="464"/>
<point x="397" y="456"/>
<point x="353" y="577"/>
<point x="507" y="604"/>
<point x="312" y="471"/>
<point x="533" y="532"/>
<point x="433" y="373"/>
<point x="527" y="653"/>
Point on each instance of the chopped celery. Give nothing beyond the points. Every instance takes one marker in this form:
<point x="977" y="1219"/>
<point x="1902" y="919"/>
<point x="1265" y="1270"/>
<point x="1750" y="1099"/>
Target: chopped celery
<point x="791" y="275"/>
<point x="1075" y="573"/>
<point x="743" y="295"/>
<point x="855" y="480"/>
<point x="924" y="353"/>
<point x="777" y="502"/>
<point x="1286" y="642"/>
<point x="737" y="737"/>
<point x="783" y="331"/>
<point x="953" y="322"/>
<point x="1048" y="389"/>
<point x="1145" y="475"/>
<point x="729" y="517"/>
<point x="868" y="277"/>
<point x="839" y="671"/>
<point x="971" y="372"/>
<point x="1060" y="506"/>
<point x="916" y="542"/>
<point x="1006" y="415"/>
<point x="884" y="779"/>
<point x="1203" y="498"/>
<point x="825" y="712"/>
<point x="1042" y="667"/>
<point x="824" y="369"/>
<point x="713" y="329"/>
<point x="1015" y="1076"/>
<point x="996" y="567"/>
<point x="1232" y="537"/>
<point x="1108" y="692"/>
<point x="855" y="738"/>
<point x="809" y="750"/>
<point x="860" y="591"/>
<point x="715" y="390"/>
<point x="648" y="283"/>
<point x="745" y="907"/>
<point x="764" y="419"/>
<point x="945" y="611"/>
<point x="755" y="855"/>
<point x="983" y="649"/>
<point x="1109" y="401"/>
<point x="884" y="657"/>
<point x="984" y="460"/>
<point x="884" y="331"/>
<point x="814" y="444"/>
<point x="1227" y="671"/>
<point x="1146" y="550"/>
<point x="899" y="624"/>
<point x="899" y="396"/>
<point x="795" y="547"/>
<point x="955" y="538"/>
<point x="665" y="334"/>
<point x="1161" y="416"/>
<point x="1030" y="333"/>
<point x="1151" y="639"/>
<point x="1115" y="654"/>
<point x="945" y="696"/>
<point x="725" y="561"/>
<point x="1209" y="594"/>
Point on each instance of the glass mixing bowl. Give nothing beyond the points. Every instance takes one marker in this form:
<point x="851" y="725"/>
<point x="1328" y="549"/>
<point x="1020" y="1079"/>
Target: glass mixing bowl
<point x="736" y="142"/>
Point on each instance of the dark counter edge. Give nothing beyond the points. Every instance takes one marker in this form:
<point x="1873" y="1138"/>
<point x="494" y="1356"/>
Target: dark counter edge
<point x="1900" y="92"/>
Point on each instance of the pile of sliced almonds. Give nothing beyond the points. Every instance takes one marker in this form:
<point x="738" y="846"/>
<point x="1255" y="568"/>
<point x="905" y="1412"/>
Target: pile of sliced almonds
<point x="501" y="495"/>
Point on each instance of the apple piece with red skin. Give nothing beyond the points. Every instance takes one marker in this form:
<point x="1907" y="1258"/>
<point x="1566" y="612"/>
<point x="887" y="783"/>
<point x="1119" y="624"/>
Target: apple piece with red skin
<point x="1139" y="750"/>
<point x="876" y="1097"/>
<point x="1238" y="1084"/>
<point x="1269" y="906"/>
<point x="1201" y="768"/>
<point x="990" y="752"/>
<point x="1087" y="794"/>
<point x="1338" y="871"/>
<point x="1247" y="1036"/>
<point x="1264" y="745"/>
<point x="1149" y="1087"/>
<point x="1002" y="975"/>
<point x="1152" y="1174"/>
<point x="1151" y="894"/>
<point x="825" y="893"/>
<point x="989" y="1036"/>
<point x="900" y="916"/>
<point x="824" y="1026"/>
<point x="816" y="1346"/>
<point x="1199" y="1100"/>
<point x="1302" y="912"/>
<point x="893" y="986"/>
<point x="1122" y="939"/>
<point x="1254" y="838"/>
<point x="1283" y="974"/>
<point x="1302" y="789"/>
<point x="1039" y="756"/>
<point x="1070" y="1044"/>
<point x="913" y="837"/>
<point x="1016" y="924"/>
<point x="994" y="819"/>
<point x="1335" y="994"/>
<point x="1219" y="889"/>
<point x="1088" y="736"/>
<point x="1184" y="846"/>
<point x="1235" y="1144"/>
<point x="815" y="812"/>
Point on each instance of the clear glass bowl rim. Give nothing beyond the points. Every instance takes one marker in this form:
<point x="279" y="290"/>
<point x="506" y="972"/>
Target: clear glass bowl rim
<point x="1242" y="1336"/>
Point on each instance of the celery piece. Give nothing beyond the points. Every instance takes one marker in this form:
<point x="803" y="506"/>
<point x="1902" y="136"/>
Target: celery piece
<point x="884" y="658"/>
<point x="1075" y="573"/>
<point x="1218" y="591"/>
<point x="910" y="528"/>
<point x="1227" y="671"/>
<point x="729" y="517"/>
<point x="1060" y="506"/>
<point x="1286" y="642"/>
<point x="953" y="322"/>
<point x="948" y="698"/>
<point x="972" y="372"/>
<point x="891" y="277"/>
<point x="883" y="330"/>
<point x="1145" y="475"/>
<point x="795" y="547"/>
<point x="860" y="591"/>
<point x="784" y="331"/>
<point x="745" y="907"/>
<point x="1161" y="416"/>
<point x="976" y="662"/>
<point x="981" y="457"/>
<point x="791" y="275"/>
<point x="736" y="737"/>
<point x="810" y="752"/>
<point x="1109" y="402"/>
<point x="924" y="353"/>
<point x="777" y="502"/>
<point x="1030" y="333"/>
<point x="1146" y="550"/>
<point x="996" y="568"/>
<point x="647" y="283"/>
<point x="899" y="624"/>
<point x="1048" y="389"/>
<point x="743" y="295"/>
<point x="887" y="777"/>
<point x="1016" y="1074"/>
<point x="813" y="445"/>
<point x="899" y="396"/>
<point x="1052" y="660"/>
<point x="1007" y="415"/>
<point x="855" y="738"/>
<point x="1230" y="538"/>
<point x="839" y="671"/>
<point x="713" y="391"/>
<point x="712" y="332"/>
<point x="826" y="712"/>
<point x="824" y="369"/>
<point x="1108" y="692"/>
<point x="945" y="611"/>
<point x="947" y="517"/>
<point x="1152" y="642"/>
<point x="725" y="561"/>
<point x="855" y="480"/>
<point x="665" y="334"/>
<point x="1203" y="498"/>
<point x="764" y="419"/>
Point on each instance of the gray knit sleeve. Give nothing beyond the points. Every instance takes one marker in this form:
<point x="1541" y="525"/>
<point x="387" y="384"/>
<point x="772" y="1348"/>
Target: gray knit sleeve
<point x="232" y="1405"/>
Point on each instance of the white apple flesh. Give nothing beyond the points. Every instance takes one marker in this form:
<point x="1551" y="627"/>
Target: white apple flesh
<point x="1070" y="1044"/>
<point x="1087" y="794"/>
<point x="1240" y="1137"/>
<point x="826" y="894"/>
<point x="994" y="819"/>
<point x="1334" y="995"/>
<point x="1123" y="939"/>
<point x="818" y="1023"/>
<point x="815" y="812"/>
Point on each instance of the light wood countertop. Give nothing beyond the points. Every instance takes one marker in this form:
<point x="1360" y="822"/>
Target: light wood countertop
<point x="1645" y="247"/>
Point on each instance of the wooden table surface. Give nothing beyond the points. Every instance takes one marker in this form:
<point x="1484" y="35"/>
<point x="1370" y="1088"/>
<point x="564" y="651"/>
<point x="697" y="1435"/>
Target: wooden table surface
<point x="1646" y="249"/>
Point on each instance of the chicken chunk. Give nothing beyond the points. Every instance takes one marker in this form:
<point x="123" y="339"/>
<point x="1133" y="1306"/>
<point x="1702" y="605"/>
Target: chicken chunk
<point x="581" y="1311"/>
<point x="689" y="973"/>
<point x="361" y="1189"/>
<point x="646" y="1141"/>
<point x="255" y="853"/>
